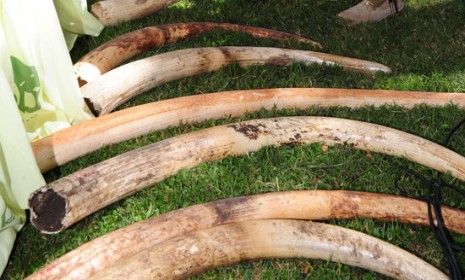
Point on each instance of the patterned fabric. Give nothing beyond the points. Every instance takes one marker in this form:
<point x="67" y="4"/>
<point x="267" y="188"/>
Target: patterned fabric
<point x="38" y="67"/>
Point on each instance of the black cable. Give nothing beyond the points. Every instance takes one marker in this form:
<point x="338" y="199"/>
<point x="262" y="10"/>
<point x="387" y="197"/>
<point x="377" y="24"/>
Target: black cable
<point x="435" y="186"/>
<point x="448" y="243"/>
<point x="452" y="131"/>
<point x="441" y="232"/>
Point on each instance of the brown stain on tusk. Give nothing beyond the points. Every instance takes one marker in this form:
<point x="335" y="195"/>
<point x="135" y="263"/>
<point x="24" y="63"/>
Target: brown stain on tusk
<point x="281" y="60"/>
<point x="250" y="131"/>
<point x="194" y="252"/>
<point x="125" y="82"/>
<point x="97" y="186"/>
<point x="304" y="205"/>
<point x="112" y="12"/>
<point x="78" y="140"/>
<point x="120" y="49"/>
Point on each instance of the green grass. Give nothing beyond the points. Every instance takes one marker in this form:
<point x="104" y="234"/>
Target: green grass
<point x="425" y="47"/>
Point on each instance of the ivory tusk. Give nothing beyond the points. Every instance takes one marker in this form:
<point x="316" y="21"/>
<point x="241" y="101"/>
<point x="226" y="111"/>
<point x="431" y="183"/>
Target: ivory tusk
<point x="122" y="48"/>
<point x="68" y="144"/>
<point x="123" y="83"/>
<point x="104" y="251"/>
<point x="88" y="190"/>
<point x="112" y="12"/>
<point x="224" y="245"/>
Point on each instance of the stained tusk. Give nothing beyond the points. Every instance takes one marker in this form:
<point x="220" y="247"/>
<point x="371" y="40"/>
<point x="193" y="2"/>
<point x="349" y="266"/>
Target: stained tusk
<point x="88" y="190"/>
<point x="71" y="143"/>
<point x="224" y="245"/>
<point x="123" y="83"/>
<point x="112" y="12"/>
<point x="124" y="47"/>
<point x="104" y="251"/>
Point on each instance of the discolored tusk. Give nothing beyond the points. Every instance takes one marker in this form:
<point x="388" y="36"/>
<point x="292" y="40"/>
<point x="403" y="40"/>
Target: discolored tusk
<point x="104" y="251"/>
<point x="125" y="82"/>
<point x="71" y="143"/>
<point x="224" y="245"/>
<point x="84" y="192"/>
<point x="112" y="12"/>
<point x="120" y="49"/>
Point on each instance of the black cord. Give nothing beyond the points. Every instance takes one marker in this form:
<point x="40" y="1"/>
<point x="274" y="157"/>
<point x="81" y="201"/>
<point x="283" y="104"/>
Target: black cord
<point x="452" y="131"/>
<point x="441" y="232"/>
<point x="435" y="185"/>
<point x="450" y="246"/>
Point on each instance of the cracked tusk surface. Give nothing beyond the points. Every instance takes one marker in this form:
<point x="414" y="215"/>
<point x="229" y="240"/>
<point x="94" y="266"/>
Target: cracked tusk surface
<point x="125" y="82"/>
<point x="122" y="48"/>
<point x="86" y="191"/>
<point x="71" y="143"/>
<point x="100" y="253"/>
<point x="195" y="252"/>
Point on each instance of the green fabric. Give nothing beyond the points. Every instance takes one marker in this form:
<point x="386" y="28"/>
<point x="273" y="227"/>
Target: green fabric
<point x="27" y="80"/>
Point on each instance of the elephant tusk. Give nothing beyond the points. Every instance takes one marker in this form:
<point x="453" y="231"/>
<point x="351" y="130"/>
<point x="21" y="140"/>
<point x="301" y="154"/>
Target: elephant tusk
<point x="197" y="251"/>
<point x="125" y="82"/>
<point x="69" y="144"/>
<point x="302" y="205"/>
<point x="112" y="12"/>
<point x="60" y="204"/>
<point x="120" y="49"/>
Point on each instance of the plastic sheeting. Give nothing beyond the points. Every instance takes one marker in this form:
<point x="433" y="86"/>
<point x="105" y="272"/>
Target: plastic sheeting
<point x="39" y="95"/>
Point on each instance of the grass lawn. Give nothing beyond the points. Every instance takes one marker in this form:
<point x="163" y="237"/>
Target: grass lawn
<point x="424" y="45"/>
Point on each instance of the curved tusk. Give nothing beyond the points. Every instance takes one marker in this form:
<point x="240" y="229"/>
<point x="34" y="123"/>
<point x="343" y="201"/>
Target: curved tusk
<point x="120" y="49"/>
<point x="104" y="251"/>
<point x="112" y="12"/>
<point x="123" y="83"/>
<point x="69" y="144"/>
<point x="224" y="245"/>
<point x="88" y="190"/>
